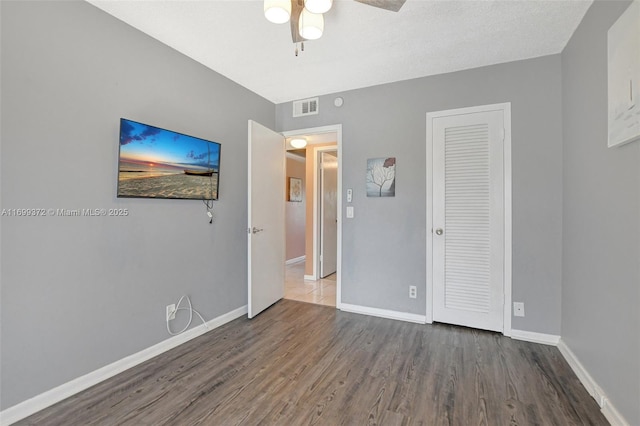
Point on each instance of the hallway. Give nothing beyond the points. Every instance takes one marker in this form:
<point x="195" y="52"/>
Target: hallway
<point x="321" y="292"/>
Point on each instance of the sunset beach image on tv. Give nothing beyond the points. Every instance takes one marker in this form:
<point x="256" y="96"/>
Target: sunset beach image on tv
<point x="159" y="163"/>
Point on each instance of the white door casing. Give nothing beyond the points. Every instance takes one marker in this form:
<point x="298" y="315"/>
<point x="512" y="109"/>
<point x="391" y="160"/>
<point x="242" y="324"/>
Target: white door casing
<point x="469" y="217"/>
<point x="328" y="212"/>
<point x="266" y="218"/>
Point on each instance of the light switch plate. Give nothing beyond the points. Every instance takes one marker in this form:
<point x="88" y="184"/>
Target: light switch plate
<point x="349" y="195"/>
<point x="349" y="212"/>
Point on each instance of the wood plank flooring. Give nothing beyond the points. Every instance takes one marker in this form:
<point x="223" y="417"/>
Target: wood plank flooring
<point x="304" y="364"/>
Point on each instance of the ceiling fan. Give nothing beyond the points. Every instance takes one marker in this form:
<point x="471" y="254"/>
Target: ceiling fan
<point x="306" y="16"/>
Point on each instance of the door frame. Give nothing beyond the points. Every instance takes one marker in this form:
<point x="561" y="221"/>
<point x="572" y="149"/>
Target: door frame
<point x="506" y="110"/>
<point x="337" y="129"/>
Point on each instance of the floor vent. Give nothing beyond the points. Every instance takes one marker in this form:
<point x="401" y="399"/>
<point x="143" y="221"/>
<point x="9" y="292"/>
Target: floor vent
<point x="305" y="107"/>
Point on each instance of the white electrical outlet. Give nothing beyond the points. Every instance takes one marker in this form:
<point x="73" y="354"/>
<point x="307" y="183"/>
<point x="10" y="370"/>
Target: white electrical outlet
<point x="171" y="312"/>
<point x="518" y="309"/>
<point x="413" y="291"/>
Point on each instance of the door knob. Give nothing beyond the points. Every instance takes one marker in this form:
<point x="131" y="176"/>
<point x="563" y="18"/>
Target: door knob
<point x="256" y="230"/>
<point x="439" y="231"/>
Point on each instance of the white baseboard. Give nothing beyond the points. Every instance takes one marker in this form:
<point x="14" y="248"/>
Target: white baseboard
<point x="310" y="278"/>
<point x="57" y="394"/>
<point x="608" y="410"/>
<point x="383" y="313"/>
<point x="612" y="415"/>
<point x="530" y="336"/>
<point x="295" y="260"/>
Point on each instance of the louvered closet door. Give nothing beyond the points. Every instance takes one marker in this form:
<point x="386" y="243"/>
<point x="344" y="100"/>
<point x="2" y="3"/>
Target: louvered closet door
<point x="468" y="220"/>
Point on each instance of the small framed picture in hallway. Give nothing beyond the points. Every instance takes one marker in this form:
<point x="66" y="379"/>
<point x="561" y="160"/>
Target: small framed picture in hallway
<point x="295" y="189"/>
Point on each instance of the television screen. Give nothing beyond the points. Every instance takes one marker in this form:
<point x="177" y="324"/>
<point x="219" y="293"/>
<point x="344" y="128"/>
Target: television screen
<point x="159" y="163"/>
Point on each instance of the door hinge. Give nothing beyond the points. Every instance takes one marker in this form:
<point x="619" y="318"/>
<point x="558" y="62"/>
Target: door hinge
<point x="248" y="230"/>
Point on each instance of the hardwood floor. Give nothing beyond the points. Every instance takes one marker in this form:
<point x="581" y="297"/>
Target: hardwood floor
<point x="299" y="364"/>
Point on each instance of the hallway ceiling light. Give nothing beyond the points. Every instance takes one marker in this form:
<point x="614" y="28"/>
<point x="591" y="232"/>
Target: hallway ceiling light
<point x="298" y="143"/>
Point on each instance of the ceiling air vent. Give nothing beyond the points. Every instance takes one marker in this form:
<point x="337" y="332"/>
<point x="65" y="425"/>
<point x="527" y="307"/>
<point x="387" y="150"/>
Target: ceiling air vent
<point x="305" y="107"/>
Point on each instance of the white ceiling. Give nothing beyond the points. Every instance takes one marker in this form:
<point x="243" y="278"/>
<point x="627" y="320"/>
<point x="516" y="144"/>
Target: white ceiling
<point x="362" y="45"/>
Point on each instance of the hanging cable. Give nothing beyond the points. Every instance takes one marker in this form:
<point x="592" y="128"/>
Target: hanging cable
<point x="209" y="205"/>
<point x="191" y="311"/>
<point x="209" y="202"/>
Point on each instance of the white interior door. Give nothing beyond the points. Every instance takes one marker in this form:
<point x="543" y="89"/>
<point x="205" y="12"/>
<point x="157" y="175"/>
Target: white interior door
<point x="328" y="212"/>
<point x="266" y="221"/>
<point x="468" y="219"/>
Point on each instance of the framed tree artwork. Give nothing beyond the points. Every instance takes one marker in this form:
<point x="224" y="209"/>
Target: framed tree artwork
<point x="381" y="177"/>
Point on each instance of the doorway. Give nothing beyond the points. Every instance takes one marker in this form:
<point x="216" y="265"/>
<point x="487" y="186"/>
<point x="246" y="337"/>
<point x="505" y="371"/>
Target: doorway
<point x="469" y="217"/>
<point x="316" y="277"/>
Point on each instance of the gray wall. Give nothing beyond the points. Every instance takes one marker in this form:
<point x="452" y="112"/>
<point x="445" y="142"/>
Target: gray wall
<point x="384" y="247"/>
<point x="80" y="293"/>
<point x="601" y="231"/>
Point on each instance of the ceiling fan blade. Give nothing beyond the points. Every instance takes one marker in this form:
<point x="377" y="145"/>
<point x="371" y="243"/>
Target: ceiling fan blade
<point x="392" y="5"/>
<point x="296" y="10"/>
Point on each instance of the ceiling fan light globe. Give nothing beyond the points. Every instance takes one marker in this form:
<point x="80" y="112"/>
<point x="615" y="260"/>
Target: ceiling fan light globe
<point x="277" y="11"/>
<point x="318" y="6"/>
<point x="311" y="25"/>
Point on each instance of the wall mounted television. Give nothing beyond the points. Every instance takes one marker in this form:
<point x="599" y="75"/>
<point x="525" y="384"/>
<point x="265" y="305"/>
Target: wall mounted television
<point x="159" y="163"/>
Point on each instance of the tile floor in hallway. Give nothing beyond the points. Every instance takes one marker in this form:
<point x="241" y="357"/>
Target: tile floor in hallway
<point x="321" y="292"/>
